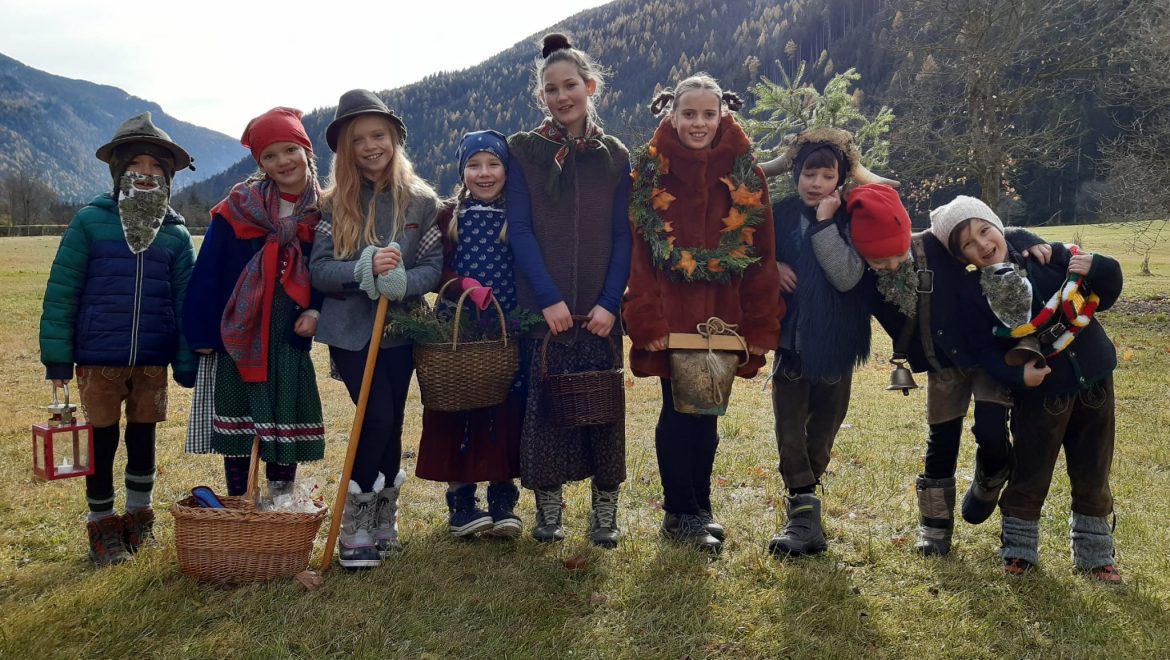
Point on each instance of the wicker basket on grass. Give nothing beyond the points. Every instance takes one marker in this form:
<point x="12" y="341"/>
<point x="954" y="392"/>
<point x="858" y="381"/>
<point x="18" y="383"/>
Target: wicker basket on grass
<point x="238" y="544"/>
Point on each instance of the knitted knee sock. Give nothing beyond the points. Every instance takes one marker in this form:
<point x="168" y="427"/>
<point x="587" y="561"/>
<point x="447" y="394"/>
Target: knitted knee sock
<point x="1020" y="539"/>
<point x="99" y="487"/>
<point x="1092" y="541"/>
<point x="235" y="470"/>
<point x="140" y="471"/>
<point x="278" y="472"/>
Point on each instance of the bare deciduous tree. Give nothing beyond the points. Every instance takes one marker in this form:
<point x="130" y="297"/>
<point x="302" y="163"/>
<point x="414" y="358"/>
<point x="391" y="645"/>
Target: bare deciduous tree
<point x="977" y="80"/>
<point x="1137" y="186"/>
<point x="27" y="198"/>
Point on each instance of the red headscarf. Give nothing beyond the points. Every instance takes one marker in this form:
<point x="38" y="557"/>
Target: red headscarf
<point x="277" y="125"/>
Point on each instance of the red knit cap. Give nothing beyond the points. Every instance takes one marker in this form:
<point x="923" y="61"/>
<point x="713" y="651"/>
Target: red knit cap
<point x="276" y="125"/>
<point x="879" y="223"/>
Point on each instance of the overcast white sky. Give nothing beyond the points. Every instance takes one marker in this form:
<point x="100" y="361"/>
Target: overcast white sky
<point x="217" y="63"/>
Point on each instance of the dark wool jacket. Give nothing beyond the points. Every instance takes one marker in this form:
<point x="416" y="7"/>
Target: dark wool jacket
<point x="575" y="246"/>
<point x="948" y="320"/>
<point x="1091" y="356"/>
<point x="829" y="329"/>
<point x="222" y="257"/>
<point x="106" y="306"/>
<point x="657" y="302"/>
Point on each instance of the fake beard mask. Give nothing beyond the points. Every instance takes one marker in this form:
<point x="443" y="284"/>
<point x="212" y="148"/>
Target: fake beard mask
<point x="899" y="287"/>
<point x="142" y="207"/>
<point x="1008" y="292"/>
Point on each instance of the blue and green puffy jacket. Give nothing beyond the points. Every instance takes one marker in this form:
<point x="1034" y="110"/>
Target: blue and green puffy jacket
<point x="106" y="306"/>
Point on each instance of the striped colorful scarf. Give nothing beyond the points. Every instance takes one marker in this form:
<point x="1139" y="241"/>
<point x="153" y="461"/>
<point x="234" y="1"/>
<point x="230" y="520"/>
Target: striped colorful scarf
<point x="253" y="211"/>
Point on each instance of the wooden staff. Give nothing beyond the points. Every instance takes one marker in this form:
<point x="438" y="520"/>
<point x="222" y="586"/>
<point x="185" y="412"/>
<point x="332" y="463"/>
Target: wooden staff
<point x="355" y="433"/>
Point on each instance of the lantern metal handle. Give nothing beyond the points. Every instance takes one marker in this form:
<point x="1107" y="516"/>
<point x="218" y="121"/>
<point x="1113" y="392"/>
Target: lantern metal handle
<point x="64" y="386"/>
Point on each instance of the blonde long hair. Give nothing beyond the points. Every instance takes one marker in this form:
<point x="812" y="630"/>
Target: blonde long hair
<point x="342" y="196"/>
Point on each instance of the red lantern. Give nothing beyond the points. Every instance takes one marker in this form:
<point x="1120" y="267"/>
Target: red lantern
<point x="62" y="446"/>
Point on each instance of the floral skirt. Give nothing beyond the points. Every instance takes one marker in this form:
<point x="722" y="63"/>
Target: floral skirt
<point x="284" y="411"/>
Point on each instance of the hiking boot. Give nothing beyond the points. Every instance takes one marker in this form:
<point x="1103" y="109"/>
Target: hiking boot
<point x="1108" y="574"/>
<point x="936" y="521"/>
<point x="549" y="507"/>
<point x="502" y="498"/>
<point x="688" y="529"/>
<point x="107" y="545"/>
<point x="713" y="527"/>
<point x="357" y="548"/>
<point x="983" y="494"/>
<point x="138" y="528"/>
<point x="465" y="518"/>
<point x="386" y="516"/>
<point x="803" y="533"/>
<point x="1016" y="566"/>
<point x="603" y="528"/>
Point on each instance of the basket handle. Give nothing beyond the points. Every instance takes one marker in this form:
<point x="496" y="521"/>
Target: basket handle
<point x="459" y="312"/>
<point x="253" y="472"/>
<point x="544" y="346"/>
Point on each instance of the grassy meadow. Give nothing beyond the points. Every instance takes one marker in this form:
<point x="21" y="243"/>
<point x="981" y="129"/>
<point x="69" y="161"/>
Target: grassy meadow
<point x="868" y="596"/>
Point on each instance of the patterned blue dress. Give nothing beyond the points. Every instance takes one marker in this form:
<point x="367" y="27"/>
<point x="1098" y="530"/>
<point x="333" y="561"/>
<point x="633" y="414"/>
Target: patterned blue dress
<point x="484" y="444"/>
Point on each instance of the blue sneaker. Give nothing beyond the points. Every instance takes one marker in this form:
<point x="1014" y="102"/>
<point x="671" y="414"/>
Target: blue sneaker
<point x="502" y="498"/>
<point x="466" y="519"/>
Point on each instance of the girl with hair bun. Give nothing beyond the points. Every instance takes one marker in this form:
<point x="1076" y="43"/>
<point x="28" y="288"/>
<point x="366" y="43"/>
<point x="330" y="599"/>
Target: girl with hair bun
<point x="704" y="248"/>
<point x="567" y="195"/>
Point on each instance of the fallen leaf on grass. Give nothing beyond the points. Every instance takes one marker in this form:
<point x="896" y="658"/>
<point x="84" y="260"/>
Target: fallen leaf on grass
<point x="310" y="580"/>
<point x="899" y="541"/>
<point x="575" y="563"/>
<point x="598" y="599"/>
<point x="1127" y="355"/>
<point x="759" y="472"/>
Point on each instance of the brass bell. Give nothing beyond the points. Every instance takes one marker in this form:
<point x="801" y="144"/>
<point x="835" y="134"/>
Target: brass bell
<point x="1027" y="350"/>
<point x="901" y="378"/>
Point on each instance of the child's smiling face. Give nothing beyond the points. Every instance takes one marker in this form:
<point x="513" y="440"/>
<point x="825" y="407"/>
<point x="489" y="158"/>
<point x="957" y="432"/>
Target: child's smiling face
<point x="695" y="118"/>
<point x="484" y="176"/>
<point x="373" y="142"/>
<point x="566" y="94"/>
<point x="982" y="244"/>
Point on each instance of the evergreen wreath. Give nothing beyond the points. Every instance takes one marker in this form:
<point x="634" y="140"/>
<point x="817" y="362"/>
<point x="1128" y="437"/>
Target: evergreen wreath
<point x="736" y="251"/>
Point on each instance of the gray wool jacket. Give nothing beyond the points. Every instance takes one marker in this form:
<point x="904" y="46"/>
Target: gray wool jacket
<point x="347" y="313"/>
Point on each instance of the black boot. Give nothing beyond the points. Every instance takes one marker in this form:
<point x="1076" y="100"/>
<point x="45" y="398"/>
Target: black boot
<point x="803" y="534"/>
<point x="981" y="498"/>
<point x="936" y="508"/>
<point x="688" y="529"/>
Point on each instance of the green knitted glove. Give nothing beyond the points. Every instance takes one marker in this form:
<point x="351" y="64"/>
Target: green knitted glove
<point x="392" y="283"/>
<point x="363" y="272"/>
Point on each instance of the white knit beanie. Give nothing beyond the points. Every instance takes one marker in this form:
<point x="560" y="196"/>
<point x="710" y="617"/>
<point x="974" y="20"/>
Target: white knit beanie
<point x="945" y="218"/>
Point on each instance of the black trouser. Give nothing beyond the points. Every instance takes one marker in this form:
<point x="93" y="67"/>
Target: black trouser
<point x="991" y="438"/>
<point x="380" y="446"/>
<point x="808" y="416"/>
<point x="1083" y="424"/>
<point x="685" y="445"/>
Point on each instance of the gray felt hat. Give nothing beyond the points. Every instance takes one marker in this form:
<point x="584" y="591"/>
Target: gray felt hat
<point x="141" y="129"/>
<point x="360" y="102"/>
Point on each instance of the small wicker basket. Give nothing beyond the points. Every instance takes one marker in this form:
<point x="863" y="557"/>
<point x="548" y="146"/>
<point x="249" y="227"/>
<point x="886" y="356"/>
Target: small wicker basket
<point x="456" y="376"/>
<point x="584" y="398"/>
<point x="238" y="544"/>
